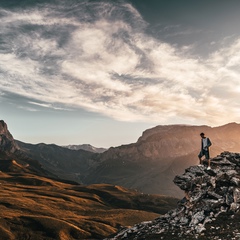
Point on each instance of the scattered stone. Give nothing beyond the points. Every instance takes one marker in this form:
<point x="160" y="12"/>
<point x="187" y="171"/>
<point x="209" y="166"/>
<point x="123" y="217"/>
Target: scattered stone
<point x="208" y="194"/>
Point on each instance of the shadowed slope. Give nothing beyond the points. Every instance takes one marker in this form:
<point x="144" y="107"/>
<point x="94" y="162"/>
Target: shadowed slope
<point x="63" y="162"/>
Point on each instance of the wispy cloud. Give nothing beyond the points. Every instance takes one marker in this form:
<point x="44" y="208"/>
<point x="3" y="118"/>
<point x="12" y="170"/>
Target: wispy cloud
<point x="48" y="105"/>
<point x="98" y="56"/>
<point x="29" y="109"/>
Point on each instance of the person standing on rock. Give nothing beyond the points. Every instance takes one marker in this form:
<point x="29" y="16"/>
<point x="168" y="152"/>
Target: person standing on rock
<point x="205" y="144"/>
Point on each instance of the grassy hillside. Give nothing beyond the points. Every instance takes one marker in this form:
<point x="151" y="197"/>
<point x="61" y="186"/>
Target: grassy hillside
<point x="35" y="207"/>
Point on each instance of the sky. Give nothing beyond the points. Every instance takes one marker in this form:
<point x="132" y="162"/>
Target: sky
<point x="102" y="72"/>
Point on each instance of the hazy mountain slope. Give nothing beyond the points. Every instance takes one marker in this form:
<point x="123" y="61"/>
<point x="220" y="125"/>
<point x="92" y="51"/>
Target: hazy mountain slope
<point x="86" y="147"/>
<point x="61" y="161"/>
<point x="160" y="153"/>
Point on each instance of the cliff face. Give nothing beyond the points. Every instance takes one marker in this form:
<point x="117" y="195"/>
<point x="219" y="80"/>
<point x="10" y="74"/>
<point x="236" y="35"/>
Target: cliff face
<point x="170" y="141"/>
<point x="210" y="196"/>
<point x="7" y="143"/>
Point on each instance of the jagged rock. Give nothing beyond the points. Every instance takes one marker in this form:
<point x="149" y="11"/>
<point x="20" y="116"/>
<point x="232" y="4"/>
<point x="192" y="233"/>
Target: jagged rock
<point x="235" y="181"/>
<point x="208" y="194"/>
<point x="197" y="218"/>
<point x="234" y="207"/>
<point x="200" y="227"/>
<point x="236" y="195"/>
<point x="7" y="143"/>
<point x="14" y="159"/>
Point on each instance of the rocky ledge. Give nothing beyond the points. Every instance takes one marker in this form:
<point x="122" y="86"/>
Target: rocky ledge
<point x="211" y="197"/>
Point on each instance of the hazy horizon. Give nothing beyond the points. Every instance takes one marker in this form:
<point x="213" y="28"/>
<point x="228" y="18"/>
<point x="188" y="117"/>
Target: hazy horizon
<point x="101" y="72"/>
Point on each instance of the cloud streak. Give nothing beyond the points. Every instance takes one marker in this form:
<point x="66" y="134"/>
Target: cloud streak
<point x="98" y="56"/>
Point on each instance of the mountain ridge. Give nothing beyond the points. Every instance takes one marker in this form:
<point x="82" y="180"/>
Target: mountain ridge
<point x="62" y="162"/>
<point x="148" y="165"/>
<point x="159" y="154"/>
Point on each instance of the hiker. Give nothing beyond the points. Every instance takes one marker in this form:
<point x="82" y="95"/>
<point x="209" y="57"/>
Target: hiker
<point x="205" y="144"/>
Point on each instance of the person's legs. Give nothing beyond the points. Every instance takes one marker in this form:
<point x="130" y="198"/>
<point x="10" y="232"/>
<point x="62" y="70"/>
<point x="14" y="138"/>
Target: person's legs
<point x="200" y="161"/>
<point x="200" y="157"/>
<point x="208" y="158"/>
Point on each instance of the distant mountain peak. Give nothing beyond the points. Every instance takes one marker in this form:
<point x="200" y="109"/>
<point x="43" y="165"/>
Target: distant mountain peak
<point x="86" y="147"/>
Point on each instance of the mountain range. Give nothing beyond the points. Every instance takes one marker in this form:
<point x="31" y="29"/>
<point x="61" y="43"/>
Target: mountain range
<point x="41" y="199"/>
<point x="37" y="204"/>
<point x="149" y="165"/>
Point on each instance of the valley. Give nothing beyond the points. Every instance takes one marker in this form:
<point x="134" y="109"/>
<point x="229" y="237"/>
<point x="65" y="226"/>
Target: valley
<point x="38" y="204"/>
<point x="36" y="207"/>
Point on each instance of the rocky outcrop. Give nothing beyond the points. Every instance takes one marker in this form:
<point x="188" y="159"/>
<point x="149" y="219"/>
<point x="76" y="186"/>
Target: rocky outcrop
<point x="13" y="159"/>
<point x="7" y="143"/>
<point x="209" y="194"/>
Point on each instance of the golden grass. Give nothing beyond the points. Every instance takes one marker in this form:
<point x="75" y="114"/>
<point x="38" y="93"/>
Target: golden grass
<point x="35" y="207"/>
